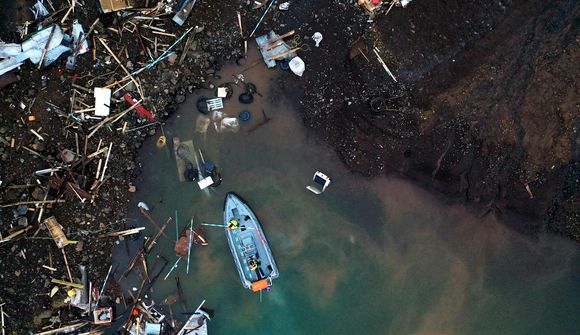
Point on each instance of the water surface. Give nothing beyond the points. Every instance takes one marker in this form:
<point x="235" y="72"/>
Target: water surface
<point x="369" y="256"/>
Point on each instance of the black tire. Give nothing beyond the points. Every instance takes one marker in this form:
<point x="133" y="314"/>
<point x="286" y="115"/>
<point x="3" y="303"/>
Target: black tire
<point x="378" y="104"/>
<point x="202" y="105"/>
<point x="246" y="98"/>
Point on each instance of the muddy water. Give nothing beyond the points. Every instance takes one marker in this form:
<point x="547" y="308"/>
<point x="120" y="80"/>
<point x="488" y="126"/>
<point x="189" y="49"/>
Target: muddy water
<point x="377" y="256"/>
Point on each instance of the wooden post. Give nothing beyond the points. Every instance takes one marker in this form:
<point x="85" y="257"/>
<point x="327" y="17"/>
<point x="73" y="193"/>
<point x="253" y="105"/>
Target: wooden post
<point x="68" y="12"/>
<point x="64" y="330"/>
<point x="376" y="51"/>
<point x="128" y="322"/>
<point x="145" y="269"/>
<point x="106" y="161"/>
<point x="290" y="33"/>
<point x="31" y="203"/>
<point x="119" y="62"/>
<point x="78" y="47"/>
<point x="66" y="263"/>
<point x="285" y="53"/>
<point x="185" y="49"/>
<point x="240" y="24"/>
<point x="46" y="47"/>
<point x="111" y="119"/>
<point x="2" y="318"/>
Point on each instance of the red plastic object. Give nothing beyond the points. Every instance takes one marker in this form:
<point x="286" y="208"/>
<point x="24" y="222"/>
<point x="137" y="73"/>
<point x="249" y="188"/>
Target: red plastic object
<point x="140" y="109"/>
<point x="376" y="2"/>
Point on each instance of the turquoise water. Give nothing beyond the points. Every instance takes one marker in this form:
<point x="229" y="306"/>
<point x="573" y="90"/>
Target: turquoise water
<point x="368" y="256"/>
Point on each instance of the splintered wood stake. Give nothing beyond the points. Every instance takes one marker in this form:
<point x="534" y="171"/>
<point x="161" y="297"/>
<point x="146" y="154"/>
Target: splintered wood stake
<point x="376" y="51"/>
<point x="46" y="47"/>
<point x="529" y="191"/>
<point x="365" y="56"/>
<point x="72" y="6"/>
<point x="42" y="207"/>
<point x="91" y="28"/>
<point x="94" y="49"/>
<point x="37" y="134"/>
<point x="99" y="168"/>
<point x="2" y="318"/>
<point x="145" y="269"/>
<point x="118" y="61"/>
<point x="77" y="194"/>
<point x="284" y="53"/>
<point x="86" y="146"/>
<point x="106" y="161"/>
<point x="240" y="23"/>
<point x="66" y="264"/>
<point x="391" y="7"/>
<point x="275" y="39"/>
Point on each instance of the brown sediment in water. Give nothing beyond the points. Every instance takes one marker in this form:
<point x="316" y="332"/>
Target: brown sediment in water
<point x="476" y="114"/>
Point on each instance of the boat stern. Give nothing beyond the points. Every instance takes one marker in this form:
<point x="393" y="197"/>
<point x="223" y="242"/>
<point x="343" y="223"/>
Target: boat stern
<point x="260" y="285"/>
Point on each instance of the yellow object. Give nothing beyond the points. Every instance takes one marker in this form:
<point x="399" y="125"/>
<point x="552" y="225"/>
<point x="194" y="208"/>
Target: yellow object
<point x="71" y="293"/>
<point x="161" y="141"/>
<point x="31" y="118"/>
<point x="233" y="224"/>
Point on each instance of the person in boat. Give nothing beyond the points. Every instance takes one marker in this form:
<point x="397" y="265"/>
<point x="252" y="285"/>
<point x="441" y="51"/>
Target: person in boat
<point x="253" y="264"/>
<point x="233" y="224"/>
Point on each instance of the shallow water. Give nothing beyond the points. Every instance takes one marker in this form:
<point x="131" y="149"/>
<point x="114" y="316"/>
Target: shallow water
<point x="369" y="256"/>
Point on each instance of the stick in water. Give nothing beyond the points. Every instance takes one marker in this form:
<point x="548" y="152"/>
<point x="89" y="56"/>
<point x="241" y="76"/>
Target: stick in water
<point x="189" y="247"/>
<point x="213" y="225"/>
<point x="172" y="268"/>
<point x="176" y="227"/>
<point x="262" y="18"/>
<point x="104" y="284"/>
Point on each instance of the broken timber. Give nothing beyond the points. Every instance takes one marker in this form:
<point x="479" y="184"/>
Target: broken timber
<point x="146" y="248"/>
<point x="55" y="230"/>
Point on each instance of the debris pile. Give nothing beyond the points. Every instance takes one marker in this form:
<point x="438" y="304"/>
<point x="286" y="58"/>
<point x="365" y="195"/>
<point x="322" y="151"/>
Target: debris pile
<point x="80" y="92"/>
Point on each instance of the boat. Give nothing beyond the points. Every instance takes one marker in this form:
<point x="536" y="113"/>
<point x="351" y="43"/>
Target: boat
<point x="196" y="324"/>
<point x="248" y="244"/>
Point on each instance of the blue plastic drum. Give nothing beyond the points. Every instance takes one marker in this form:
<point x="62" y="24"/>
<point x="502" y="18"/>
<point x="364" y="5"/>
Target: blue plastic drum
<point x="245" y="115"/>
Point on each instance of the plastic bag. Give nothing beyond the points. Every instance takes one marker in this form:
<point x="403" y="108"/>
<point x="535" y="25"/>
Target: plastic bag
<point x="217" y="115"/>
<point x="229" y="124"/>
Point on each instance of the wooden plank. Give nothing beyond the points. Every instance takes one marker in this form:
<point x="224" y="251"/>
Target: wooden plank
<point x="66" y="283"/>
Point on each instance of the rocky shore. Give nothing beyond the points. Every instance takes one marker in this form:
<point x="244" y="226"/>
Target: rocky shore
<point x="485" y="110"/>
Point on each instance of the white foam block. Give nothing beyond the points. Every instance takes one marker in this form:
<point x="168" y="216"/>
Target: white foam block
<point x="204" y="183"/>
<point x="102" y="101"/>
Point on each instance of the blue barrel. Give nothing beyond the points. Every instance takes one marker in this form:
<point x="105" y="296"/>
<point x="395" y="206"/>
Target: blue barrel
<point x="245" y="115"/>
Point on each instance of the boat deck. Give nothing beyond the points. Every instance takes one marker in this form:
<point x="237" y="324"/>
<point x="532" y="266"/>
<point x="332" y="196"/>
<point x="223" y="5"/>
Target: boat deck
<point x="248" y="245"/>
